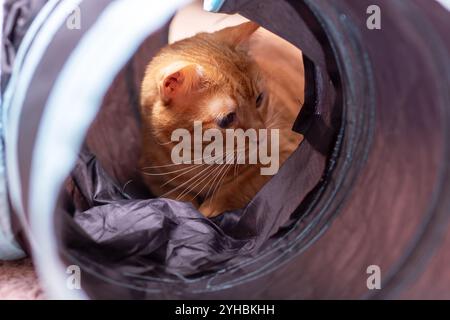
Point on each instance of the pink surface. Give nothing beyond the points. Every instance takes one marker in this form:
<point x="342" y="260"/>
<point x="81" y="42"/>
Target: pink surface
<point x="18" y="281"/>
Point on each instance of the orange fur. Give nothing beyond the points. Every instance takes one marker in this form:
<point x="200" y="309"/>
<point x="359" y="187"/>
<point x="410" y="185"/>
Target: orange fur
<point x="205" y="78"/>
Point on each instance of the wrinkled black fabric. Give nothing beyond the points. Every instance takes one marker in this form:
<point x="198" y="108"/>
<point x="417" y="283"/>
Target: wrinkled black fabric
<point x="161" y="237"/>
<point x="170" y="233"/>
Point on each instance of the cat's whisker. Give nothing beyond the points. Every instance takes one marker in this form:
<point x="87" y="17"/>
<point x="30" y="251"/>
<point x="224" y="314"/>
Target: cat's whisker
<point x="192" y="178"/>
<point x="213" y="180"/>
<point x="185" y="171"/>
<point x="164" y="173"/>
<point x="183" y="184"/>
<point x="236" y="165"/>
<point x="219" y="184"/>
<point x="211" y="185"/>
<point x="227" y="168"/>
<point x="164" y="166"/>
<point x="271" y="124"/>
<point x="198" y="181"/>
<point x="273" y="119"/>
<point x="164" y="143"/>
<point x="201" y="179"/>
<point x="192" y="162"/>
<point x="182" y="174"/>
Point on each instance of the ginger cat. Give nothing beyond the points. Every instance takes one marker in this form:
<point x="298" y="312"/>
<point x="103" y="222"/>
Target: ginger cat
<point x="217" y="80"/>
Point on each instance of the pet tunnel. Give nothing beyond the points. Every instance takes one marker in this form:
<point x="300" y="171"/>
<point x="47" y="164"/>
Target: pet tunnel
<point x="368" y="186"/>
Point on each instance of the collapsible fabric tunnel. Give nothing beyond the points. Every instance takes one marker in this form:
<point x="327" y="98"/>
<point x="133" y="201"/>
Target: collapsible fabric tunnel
<point x="369" y="185"/>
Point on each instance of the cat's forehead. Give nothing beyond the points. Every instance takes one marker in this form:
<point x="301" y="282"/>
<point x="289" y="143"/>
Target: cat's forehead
<point x="238" y="84"/>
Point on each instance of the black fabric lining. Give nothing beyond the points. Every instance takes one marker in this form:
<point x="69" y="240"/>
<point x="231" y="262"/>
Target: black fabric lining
<point x="305" y="117"/>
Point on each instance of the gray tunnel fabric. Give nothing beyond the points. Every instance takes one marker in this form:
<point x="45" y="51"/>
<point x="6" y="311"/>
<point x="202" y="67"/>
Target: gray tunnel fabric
<point x="265" y="241"/>
<point x="369" y="185"/>
<point x="17" y="17"/>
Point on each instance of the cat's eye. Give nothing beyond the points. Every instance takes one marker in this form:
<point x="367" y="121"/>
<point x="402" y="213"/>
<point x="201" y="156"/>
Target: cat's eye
<point x="227" y="121"/>
<point x="259" y="100"/>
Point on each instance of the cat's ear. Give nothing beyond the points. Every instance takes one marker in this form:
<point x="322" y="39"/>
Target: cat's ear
<point x="238" y="35"/>
<point x="179" y="80"/>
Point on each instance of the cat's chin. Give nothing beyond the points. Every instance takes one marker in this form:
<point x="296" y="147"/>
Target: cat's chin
<point x="210" y="210"/>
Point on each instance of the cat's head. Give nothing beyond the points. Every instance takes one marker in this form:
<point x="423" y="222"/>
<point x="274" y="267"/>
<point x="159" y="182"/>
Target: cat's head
<point x="209" y="78"/>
